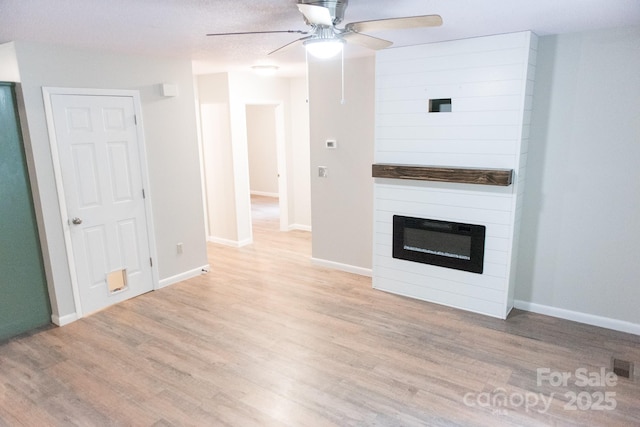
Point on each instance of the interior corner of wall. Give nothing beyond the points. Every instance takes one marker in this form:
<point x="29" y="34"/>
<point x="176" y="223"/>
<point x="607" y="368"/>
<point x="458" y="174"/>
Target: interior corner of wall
<point x="64" y="320"/>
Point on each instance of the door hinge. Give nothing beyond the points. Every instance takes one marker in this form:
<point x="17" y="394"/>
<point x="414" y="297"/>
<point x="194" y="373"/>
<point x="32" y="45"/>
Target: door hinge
<point x="151" y="262"/>
<point x="135" y="120"/>
<point x="144" y="196"/>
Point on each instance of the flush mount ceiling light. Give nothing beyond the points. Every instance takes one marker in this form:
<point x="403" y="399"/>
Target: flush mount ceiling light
<point x="324" y="48"/>
<point x="265" y="70"/>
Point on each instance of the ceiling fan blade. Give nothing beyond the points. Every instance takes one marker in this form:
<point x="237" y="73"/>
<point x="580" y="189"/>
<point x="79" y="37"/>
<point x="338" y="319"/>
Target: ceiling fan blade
<point x="289" y="45"/>
<point x="366" y="41"/>
<point x="259" y="32"/>
<point x="316" y="15"/>
<point x="395" y="23"/>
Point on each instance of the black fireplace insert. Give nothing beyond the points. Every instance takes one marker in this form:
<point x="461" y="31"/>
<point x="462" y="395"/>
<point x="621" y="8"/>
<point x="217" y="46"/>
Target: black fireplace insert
<point x="442" y="243"/>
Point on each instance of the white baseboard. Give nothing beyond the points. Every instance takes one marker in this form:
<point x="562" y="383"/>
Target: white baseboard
<point x="576" y="316"/>
<point x="264" y="193"/>
<point x="64" y="320"/>
<point x="183" y="276"/>
<point x="342" y="267"/>
<point x="300" y="227"/>
<point x="70" y="318"/>
<point x="228" y="242"/>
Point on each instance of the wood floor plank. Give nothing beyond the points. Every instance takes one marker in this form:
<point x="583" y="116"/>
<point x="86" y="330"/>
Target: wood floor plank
<point x="266" y="338"/>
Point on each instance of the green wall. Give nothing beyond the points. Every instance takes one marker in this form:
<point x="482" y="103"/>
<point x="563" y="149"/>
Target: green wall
<point x="24" y="300"/>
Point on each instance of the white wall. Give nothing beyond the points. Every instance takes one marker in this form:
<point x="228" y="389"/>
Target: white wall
<point x="8" y="63"/>
<point x="341" y="205"/>
<point x="579" y="251"/>
<point x="261" y="141"/>
<point x="171" y="143"/>
<point x="213" y="97"/>
<point x="300" y="203"/>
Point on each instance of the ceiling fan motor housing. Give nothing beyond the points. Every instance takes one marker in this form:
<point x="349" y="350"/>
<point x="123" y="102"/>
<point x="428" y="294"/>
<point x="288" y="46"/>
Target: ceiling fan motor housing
<point x="336" y="7"/>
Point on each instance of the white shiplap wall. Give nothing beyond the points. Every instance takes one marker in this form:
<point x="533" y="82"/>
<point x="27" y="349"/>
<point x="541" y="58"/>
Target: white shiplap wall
<point x="490" y="81"/>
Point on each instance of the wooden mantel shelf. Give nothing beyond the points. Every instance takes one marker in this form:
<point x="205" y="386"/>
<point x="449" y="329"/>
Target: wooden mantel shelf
<point x="501" y="177"/>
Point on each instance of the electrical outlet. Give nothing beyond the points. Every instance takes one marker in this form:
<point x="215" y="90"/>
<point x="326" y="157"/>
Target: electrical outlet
<point x="323" y="171"/>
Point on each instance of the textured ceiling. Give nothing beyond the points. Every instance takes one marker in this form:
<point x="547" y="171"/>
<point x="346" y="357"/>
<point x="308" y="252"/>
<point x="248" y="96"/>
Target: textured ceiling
<point x="178" y="27"/>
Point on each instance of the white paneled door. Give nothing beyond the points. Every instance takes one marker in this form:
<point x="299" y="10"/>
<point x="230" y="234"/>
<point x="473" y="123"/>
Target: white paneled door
<point x="102" y="178"/>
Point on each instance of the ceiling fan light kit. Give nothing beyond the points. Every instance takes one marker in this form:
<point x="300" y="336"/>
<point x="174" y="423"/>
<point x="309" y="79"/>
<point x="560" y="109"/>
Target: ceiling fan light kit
<point x="323" y="48"/>
<point x="265" y="70"/>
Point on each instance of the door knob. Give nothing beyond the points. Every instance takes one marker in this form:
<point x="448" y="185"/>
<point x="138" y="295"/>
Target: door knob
<point x="76" y="221"/>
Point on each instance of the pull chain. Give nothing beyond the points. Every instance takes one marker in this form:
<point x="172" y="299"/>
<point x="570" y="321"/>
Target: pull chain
<point x="306" y="61"/>
<point x="342" y="100"/>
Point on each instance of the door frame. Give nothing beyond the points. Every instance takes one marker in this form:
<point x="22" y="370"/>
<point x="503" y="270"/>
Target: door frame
<point x="281" y="157"/>
<point x="47" y="92"/>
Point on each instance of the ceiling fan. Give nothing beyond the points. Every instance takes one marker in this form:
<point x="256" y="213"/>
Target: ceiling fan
<point x="325" y="39"/>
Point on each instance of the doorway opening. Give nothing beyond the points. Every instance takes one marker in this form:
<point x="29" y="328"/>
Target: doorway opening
<point x="228" y="130"/>
<point x="267" y="167"/>
<point x="265" y="214"/>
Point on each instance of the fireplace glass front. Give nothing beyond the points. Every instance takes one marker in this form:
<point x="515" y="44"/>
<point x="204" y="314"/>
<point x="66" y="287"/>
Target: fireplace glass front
<point x="442" y="243"/>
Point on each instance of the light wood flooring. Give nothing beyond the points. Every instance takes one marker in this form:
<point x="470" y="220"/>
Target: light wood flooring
<point x="268" y="339"/>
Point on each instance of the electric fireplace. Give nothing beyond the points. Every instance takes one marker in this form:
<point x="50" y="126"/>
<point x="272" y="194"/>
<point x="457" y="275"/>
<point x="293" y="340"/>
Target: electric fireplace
<point x="442" y="243"/>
